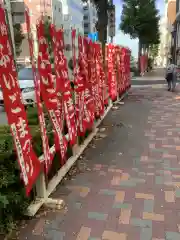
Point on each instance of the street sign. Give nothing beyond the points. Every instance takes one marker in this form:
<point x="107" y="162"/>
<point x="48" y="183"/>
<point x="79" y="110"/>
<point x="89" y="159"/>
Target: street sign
<point x="111" y="21"/>
<point x="93" y="36"/>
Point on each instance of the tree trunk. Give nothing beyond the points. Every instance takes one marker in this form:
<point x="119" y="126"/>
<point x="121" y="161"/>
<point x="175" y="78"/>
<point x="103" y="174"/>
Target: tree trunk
<point x="102" y="23"/>
<point x="102" y="35"/>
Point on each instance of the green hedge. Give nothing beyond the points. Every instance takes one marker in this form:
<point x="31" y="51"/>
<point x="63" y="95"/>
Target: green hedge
<point x="13" y="200"/>
<point x="12" y="194"/>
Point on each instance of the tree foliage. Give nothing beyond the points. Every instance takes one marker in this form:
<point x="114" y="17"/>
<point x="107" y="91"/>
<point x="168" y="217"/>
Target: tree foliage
<point x="153" y="50"/>
<point x="47" y="23"/>
<point x="140" y="19"/>
<point x="18" y="38"/>
<point x="102" y="8"/>
<point x="102" y="12"/>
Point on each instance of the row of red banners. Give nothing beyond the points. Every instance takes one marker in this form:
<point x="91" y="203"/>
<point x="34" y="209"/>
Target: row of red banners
<point x="92" y="88"/>
<point x="143" y="63"/>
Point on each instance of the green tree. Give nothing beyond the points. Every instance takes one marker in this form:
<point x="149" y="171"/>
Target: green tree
<point x="102" y="7"/>
<point x="47" y="23"/>
<point x="102" y="23"/>
<point x="102" y="12"/>
<point x="153" y="50"/>
<point x="140" y="19"/>
<point x="18" y="38"/>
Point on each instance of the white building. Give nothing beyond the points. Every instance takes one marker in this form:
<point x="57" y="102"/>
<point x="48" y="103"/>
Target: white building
<point x="57" y="13"/>
<point x="64" y="13"/>
<point x="166" y="29"/>
<point x="74" y="10"/>
<point x="72" y="18"/>
<point x="163" y="48"/>
<point x="90" y="17"/>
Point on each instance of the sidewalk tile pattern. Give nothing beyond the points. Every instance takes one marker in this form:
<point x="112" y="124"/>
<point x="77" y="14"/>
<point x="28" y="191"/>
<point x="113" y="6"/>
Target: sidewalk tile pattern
<point x="134" y="200"/>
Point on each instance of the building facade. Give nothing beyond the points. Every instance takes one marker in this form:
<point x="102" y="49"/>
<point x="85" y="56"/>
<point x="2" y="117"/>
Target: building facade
<point x="162" y="55"/>
<point x="166" y="29"/>
<point x="90" y="18"/>
<point x="171" y="16"/>
<point x="72" y="18"/>
<point x="73" y="10"/>
<point x="36" y="9"/>
<point x="64" y="13"/>
<point x="57" y="13"/>
<point x="176" y="35"/>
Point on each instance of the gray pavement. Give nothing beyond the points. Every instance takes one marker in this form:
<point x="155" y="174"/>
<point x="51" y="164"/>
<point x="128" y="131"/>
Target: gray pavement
<point x="156" y="76"/>
<point x="3" y="118"/>
<point x="147" y="82"/>
<point x="126" y="184"/>
<point x="156" y="72"/>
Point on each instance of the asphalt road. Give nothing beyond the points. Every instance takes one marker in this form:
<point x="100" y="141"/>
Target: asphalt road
<point x="3" y="118"/>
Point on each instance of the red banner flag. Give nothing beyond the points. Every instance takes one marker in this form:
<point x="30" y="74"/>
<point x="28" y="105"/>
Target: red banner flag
<point x="100" y="78"/>
<point x="49" y="93"/>
<point x="95" y="77"/>
<point x="63" y="86"/>
<point x="103" y="77"/>
<point x="29" y="164"/>
<point x="89" y="102"/>
<point x="111" y="73"/>
<point x="123" y="68"/>
<point x="73" y="36"/>
<point x="142" y="64"/>
<point x="45" y="143"/>
<point x="118" y="69"/>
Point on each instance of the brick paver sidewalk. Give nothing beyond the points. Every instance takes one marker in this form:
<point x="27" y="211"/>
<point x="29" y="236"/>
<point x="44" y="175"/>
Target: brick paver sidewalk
<point x="156" y="72"/>
<point x="156" y="75"/>
<point x="130" y="188"/>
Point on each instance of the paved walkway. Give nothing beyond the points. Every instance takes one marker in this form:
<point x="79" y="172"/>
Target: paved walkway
<point x="128" y="185"/>
<point x="156" y="76"/>
<point x="155" y="73"/>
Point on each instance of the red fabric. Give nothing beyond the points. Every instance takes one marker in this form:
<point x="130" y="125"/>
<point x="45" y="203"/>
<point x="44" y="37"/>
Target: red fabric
<point x="53" y="104"/>
<point x="84" y="102"/>
<point x="89" y="101"/>
<point x="100" y="78"/>
<point x="29" y="163"/>
<point x="63" y="86"/>
<point x="142" y="64"/>
<point x="48" y="157"/>
<point x="112" y="83"/>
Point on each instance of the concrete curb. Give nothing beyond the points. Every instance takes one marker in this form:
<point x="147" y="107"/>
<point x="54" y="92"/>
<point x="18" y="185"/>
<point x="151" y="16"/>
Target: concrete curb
<point x="151" y="86"/>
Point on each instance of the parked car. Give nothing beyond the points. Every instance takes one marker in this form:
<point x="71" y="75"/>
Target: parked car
<point x="26" y="83"/>
<point x="20" y="66"/>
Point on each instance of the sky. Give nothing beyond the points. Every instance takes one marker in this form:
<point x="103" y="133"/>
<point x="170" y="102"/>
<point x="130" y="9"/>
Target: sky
<point x="125" y="40"/>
